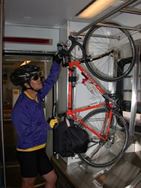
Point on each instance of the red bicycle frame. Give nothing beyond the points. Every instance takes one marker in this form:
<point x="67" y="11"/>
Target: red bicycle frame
<point x="72" y="112"/>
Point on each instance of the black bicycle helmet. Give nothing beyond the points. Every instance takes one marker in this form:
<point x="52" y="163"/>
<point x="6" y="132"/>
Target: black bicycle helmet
<point x="23" y="74"/>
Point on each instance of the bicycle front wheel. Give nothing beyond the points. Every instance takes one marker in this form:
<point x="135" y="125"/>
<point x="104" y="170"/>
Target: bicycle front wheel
<point x="102" y="153"/>
<point x="112" y="52"/>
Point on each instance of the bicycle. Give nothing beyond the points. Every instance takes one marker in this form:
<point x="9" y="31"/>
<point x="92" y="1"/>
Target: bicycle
<point x="107" y="129"/>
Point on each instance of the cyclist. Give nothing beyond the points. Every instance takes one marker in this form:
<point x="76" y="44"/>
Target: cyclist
<point x="30" y="124"/>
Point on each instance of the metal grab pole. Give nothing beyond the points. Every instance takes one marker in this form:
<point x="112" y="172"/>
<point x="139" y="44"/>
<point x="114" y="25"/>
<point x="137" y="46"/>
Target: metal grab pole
<point x="134" y="95"/>
<point x="1" y="93"/>
<point x="120" y="27"/>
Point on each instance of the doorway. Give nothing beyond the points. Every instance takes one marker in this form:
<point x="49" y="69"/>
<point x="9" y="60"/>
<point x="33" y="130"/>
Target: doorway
<point x="10" y="95"/>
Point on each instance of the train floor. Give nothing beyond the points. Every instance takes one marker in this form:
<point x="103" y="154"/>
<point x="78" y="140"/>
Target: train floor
<point x="125" y="174"/>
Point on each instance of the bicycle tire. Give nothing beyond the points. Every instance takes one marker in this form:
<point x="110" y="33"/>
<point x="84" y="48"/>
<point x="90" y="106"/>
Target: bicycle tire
<point x="110" y="60"/>
<point x="104" y="153"/>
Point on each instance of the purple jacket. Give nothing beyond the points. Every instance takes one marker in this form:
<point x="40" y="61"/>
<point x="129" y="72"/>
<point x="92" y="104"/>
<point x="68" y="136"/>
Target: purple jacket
<point x="28" y="115"/>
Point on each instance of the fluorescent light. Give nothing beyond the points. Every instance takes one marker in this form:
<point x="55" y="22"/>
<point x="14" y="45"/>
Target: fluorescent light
<point x="95" y="8"/>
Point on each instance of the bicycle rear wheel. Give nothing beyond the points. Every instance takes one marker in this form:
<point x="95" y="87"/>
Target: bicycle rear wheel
<point x="102" y="153"/>
<point x="112" y="52"/>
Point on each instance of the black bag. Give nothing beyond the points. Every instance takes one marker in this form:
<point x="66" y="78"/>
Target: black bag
<point x="69" y="139"/>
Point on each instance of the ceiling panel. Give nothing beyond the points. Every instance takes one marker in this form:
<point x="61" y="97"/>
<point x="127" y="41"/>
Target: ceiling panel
<point x="43" y="13"/>
<point x="53" y="13"/>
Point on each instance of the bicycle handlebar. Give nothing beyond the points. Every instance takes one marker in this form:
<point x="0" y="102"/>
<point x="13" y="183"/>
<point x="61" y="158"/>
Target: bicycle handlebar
<point x="75" y="43"/>
<point x="67" y="57"/>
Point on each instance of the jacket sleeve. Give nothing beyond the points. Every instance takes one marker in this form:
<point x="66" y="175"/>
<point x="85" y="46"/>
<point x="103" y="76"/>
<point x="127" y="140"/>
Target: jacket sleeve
<point x="51" y="80"/>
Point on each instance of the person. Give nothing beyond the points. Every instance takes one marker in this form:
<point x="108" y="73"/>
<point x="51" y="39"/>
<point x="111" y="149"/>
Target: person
<point x="30" y="123"/>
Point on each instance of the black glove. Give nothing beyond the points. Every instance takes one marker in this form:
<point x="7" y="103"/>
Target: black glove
<point x="58" y="57"/>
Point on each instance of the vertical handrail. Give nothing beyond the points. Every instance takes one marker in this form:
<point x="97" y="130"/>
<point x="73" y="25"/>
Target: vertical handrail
<point x="1" y="94"/>
<point x="134" y="94"/>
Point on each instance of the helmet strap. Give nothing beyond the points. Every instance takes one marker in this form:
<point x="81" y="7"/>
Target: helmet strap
<point x="38" y="91"/>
